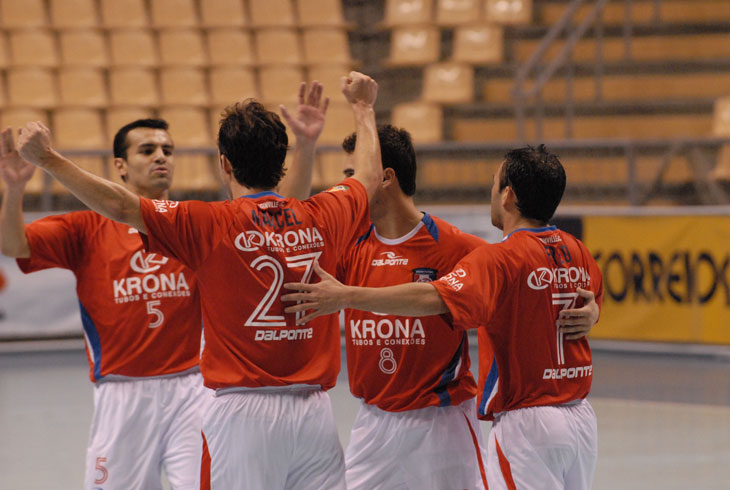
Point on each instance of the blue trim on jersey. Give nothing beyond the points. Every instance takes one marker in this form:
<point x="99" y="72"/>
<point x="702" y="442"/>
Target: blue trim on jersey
<point x="449" y="375"/>
<point x="431" y="226"/>
<point x="366" y="235"/>
<point x="93" y="335"/>
<point x="488" y="387"/>
<point x="263" y="194"/>
<point x="533" y="230"/>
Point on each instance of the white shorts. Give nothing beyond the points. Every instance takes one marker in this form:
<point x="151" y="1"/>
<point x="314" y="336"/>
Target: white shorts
<point x="272" y="440"/>
<point x="142" y="425"/>
<point x="433" y="448"/>
<point x="543" y="448"/>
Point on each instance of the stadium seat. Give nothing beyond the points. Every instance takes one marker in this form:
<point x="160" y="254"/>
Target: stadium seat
<point x="478" y="44"/>
<point x="173" y="13"/>
<point x="33" y="47"/>
<point x="456" y="12"/>
<point x="181" y="47"/>
<point x="329" y="76"/>
<point x="271" y="13"/>
<point x="80" y="129"/>
<point x="130" y="86"/>
<point x="3" y="50"/>
<point x="278" y="46"/>
<point x="279" y="85"/>
<point x="423" y="120"/>
<point x="73" y="13"/>
<point x="22" y="13"/>
<point x="320" y="13"/>
<point x="116" y="117"/>
<point x="82" y="87"/>
<point x="85" y="47"/>
<point x="135" y="47"/>
<point x="721" y="118"/>
<point x="2" y="94"/>
<point x="340" y="123"/>
<point x="325" y="45"/>
<point x="123" y="13"/>
<point x="229" y="84"/>
<point x="448" y="83"/>
<point x="222" y="13"/>
<point x="229" y="46"/>
<point x="403" y="12"/>
<point x="189" y="127"/>
<point x="412" y="46"/>
<point x="32" y="87"/>
<point x="508" y="11"/>
<point x="184" y="86"/>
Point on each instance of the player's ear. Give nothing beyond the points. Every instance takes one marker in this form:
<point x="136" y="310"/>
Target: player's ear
<point x="389" y="177"/>
<point x="225" y="164"/>
<point x="121" y="166"/>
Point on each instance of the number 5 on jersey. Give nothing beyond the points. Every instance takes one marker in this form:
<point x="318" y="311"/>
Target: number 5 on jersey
<point x="261" y="316"/>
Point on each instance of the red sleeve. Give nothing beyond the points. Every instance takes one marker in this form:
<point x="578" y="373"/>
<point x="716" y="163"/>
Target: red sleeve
<point x="186" y="231"/>
<point x="472" y="288"/>
<point x="56" y="241"/>
<point x="344" y="211"/>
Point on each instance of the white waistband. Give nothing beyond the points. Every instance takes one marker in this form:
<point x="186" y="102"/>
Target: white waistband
<point x="267" y="389"/>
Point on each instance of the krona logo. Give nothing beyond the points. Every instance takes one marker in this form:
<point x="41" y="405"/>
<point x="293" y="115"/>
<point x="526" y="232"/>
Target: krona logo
<point x="145" y="263"/>
<point x="540" y="278"/>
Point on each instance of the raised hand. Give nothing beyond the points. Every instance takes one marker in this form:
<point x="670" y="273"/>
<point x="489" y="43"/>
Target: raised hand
<point x="15" y="171"/>
<point x="308" y="122"/>
<point x="359" y="88"/>
<point x="34" y="143"/>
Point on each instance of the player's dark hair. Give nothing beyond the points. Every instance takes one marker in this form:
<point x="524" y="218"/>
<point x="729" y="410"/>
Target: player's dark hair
<point x="537" y="178"/>
<point x="255" y="142"/>
<point x="120" y="139"/>
<point x="396" y="152"/>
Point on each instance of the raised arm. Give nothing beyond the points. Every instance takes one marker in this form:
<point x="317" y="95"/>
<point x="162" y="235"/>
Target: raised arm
<point x="105" y="197"/>
<point x="361" y="91"/>
<point x="329" y="296"/>
<point x="16" y="172"/>
<point x="307" y="125"/>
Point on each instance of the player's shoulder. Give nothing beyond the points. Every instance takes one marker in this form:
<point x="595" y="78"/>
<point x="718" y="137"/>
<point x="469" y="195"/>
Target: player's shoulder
<point x="450" y="234"/>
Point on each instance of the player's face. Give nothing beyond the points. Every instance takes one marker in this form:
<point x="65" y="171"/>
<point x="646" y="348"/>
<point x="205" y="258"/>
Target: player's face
<point x="496" y="204"/>
<point x="149" y="165"/>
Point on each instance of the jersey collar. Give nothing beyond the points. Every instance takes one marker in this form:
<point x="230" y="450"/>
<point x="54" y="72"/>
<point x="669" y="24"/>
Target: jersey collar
<point x="532" y="230"/>
<point x="263" y="194"/>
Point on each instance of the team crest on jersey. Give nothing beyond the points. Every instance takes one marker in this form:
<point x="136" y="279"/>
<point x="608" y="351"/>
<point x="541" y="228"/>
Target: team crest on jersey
<point x="424" y="274"/>
<point x="338" y="188"/>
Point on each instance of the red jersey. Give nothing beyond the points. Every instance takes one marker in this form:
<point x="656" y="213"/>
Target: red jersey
<point x="140" y="311"/>
<point x="242" y="252"/>
<point x="401" y="363"/>
<point x="516" y="289"/>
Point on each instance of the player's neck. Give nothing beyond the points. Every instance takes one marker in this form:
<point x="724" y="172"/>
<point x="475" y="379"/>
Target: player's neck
<point x="400" y="217"/>
<point x="514" y="222"/>
<point x="238" y="190"/>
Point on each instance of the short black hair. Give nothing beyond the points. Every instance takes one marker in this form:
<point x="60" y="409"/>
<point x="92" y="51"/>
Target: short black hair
<point x="396" y="152"/>
<point x="255" y="142"/>
<point x="537" y="178"/>
<point x="120" y="139"/>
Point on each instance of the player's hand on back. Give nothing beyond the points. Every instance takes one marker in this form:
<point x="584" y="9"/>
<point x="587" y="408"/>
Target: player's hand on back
<point x="34" y="143"/>
<point x="15" y="171"/>
<point x="308" y="122"/>
<point x="359" y="88"/>
<point x="577" y="323"/>
<point x="322" y="298"/>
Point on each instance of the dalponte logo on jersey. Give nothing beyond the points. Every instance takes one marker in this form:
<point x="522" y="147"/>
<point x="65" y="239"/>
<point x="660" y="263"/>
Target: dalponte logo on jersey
<point x="391" y="258"/>
<point x="563" y="277"/>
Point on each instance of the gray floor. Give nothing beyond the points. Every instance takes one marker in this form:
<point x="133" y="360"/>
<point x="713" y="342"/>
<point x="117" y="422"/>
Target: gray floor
<point x="664" y="420"/>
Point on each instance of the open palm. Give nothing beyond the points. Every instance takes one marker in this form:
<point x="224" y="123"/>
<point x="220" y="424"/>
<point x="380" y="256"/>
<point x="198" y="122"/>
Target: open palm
<point x="308" y="122"/>
<point x="15" y="171"/>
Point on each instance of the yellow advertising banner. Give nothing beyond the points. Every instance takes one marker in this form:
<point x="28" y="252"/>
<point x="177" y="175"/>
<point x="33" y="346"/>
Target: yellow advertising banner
<point x="665" y="278"/>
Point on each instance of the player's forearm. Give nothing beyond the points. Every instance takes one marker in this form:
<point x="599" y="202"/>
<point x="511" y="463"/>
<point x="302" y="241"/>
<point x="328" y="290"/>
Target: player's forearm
<point x="105" y="197"/>
<point x="297" y="182"/>
<point x="410" y="299"/>
<point x="13" y="242"/>
<point x="367" y="162"/>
